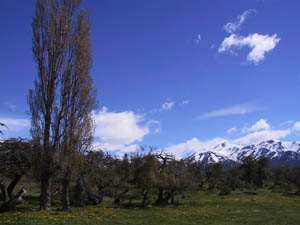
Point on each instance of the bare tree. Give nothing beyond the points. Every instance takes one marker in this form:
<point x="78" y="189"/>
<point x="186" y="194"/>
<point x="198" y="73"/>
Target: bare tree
<point x="63" y="94"/>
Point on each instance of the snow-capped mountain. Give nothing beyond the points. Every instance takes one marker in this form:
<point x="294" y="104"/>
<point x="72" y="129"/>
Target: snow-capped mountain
<point x="212" y="157"/>
<point x="280" y="153"/>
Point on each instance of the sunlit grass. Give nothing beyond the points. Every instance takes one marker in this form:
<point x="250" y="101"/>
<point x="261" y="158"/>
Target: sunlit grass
<point x="239" y="208"/>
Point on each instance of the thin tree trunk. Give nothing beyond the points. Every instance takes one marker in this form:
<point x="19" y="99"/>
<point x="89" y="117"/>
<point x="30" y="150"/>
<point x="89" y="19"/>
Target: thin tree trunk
<point x="78" y="196"/>
<point x="172" y="197"/>
<point x="160" y="196"/>
<point x="65" y="195"/>
<point x="45" y="200"/>
<point x="4" y="192"/>
<point x="145" y="198"/>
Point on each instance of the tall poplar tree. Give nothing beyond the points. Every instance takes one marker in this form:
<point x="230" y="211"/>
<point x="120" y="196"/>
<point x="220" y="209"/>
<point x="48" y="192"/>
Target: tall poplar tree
<point x="63" y="95"/>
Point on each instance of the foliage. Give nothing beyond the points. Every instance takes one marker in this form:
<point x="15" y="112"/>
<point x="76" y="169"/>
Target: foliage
<point x="16" y="157"/>
<point x="15" y="162"/>
<point x="254" y="171"/>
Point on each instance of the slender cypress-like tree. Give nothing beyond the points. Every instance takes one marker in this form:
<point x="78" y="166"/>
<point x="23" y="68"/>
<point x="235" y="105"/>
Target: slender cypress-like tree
<point x="63" y="95"/>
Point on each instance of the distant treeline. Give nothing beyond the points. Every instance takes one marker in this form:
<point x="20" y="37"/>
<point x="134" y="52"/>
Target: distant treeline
<point x="146" y="177"/>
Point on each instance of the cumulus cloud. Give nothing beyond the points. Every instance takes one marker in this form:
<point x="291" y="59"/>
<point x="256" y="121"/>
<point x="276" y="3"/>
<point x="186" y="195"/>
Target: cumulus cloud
<point x="194" y="145"/>
<point x="168" y="105"/>
<point x="259" y="125"/>
<point x="259" y="136"/>
<point x="13" y="123"/>
<point x="259" y="45"/>
<point x="109" y="147"/>
<point x="15" y="127"/>
<point x="232" y="130"/>
<point x="232" y="110"/>
<point x="119" y="127"/>
<point x="296" y="126"/>
<point x="258" y="132"/>
<point x="121" y="130"/>
<point x="231" y="27"/>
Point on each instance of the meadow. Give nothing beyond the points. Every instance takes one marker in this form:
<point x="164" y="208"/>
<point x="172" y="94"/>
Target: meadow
<point x="266" y="207"/>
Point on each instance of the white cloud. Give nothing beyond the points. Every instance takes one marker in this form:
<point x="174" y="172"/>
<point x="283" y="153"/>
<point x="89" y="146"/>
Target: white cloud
<point x="185" y="102"/>
<point x="119" y="127"/>
<point x="198" y="39"/>
<point x="232" y="110"/>
<point x="231" y="27"/>
<point x="154" y="125"/>
<point x="287" y="123"/>
<point x="15" y="122"/>
<point x="15" y="127"/>
<point x="121" y="130"/>
<point x="194" y="145"/>
<point x="168" y="105"/>
<point x="232" y="130"/>
<point x="259" y="125"/>
<point x="259" y="45"/>
<point x="259" y="136"/>
<point x="296" y="126"/>
<point x="108" y="147"/>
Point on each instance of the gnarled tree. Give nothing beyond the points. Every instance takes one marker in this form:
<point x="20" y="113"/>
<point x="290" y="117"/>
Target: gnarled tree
<point x="15" y="162"/>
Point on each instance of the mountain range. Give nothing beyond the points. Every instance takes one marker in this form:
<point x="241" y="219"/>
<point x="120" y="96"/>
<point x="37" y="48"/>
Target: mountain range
<point x="280" y="153"/>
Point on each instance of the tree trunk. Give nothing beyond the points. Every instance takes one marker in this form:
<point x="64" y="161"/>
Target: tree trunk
<point x="160" y="197"/>
<point x="4" y="192"/>
<point x="172" y="197"/>
<point x="45" y="200"/>
<point x="78" y="195"/>
<point x="145" y="197"/>
<point x="13" y="184"/>
<point x="167" y="197"/>
<point x="10" y="202"/>
<point x="65" y="195"/>
<point x="119" y="197"/>
<point x="92" y="198"/>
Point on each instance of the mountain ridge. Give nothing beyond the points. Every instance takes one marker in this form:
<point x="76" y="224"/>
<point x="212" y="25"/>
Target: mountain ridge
<point x="279" y="153"/>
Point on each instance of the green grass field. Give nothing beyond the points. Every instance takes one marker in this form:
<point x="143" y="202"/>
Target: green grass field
<point x="238" y="208"/>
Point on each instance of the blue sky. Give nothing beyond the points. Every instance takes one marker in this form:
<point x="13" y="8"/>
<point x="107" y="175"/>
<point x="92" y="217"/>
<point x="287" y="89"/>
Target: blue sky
<point x="173" y="73"/>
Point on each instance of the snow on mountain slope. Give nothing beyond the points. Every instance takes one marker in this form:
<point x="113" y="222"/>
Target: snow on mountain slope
<point x="278" y="152"/>
<point x="212" y="157"/>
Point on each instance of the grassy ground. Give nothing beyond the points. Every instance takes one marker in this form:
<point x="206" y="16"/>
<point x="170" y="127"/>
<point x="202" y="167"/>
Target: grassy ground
<point x="238" y="208"/>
